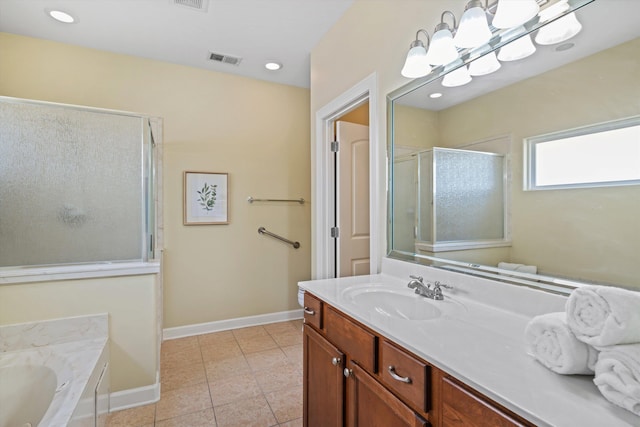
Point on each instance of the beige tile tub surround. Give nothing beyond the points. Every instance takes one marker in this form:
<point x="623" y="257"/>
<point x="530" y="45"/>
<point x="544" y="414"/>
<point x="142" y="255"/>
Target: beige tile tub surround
<point x="245" y="377"/>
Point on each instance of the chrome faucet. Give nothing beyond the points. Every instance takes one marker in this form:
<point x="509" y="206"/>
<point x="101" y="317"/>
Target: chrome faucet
<point x="417" y="283"/>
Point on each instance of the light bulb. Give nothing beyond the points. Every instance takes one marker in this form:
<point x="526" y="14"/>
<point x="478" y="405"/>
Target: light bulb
<point x="473" y="30"/>
<point x="559" y="30"/>
<point x="458" y="77"/>
<point x="442" y="50"/>
<point x="416" y="64"/>
<point x="511" y="13"/>
<point x="517" y="49"/>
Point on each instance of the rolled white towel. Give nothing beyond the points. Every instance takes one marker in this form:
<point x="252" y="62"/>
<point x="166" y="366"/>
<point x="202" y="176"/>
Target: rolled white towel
<point x="604" y="315"/>
<point x="553" y="344"/>
<point x="618" y="375"/>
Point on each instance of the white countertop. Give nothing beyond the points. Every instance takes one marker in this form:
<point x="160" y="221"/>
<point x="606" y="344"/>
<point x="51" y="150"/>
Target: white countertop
<point x="482" y="344"/>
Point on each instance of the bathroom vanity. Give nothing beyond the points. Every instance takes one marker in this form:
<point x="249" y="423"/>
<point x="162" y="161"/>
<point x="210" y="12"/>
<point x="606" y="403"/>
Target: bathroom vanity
<point x="375" y="353"/>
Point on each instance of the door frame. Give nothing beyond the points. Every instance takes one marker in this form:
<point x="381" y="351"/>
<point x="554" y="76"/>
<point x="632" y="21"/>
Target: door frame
<point x="322" y="250"/>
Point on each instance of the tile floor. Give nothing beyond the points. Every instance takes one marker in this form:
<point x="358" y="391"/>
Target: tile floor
<point x="244" y="377"/>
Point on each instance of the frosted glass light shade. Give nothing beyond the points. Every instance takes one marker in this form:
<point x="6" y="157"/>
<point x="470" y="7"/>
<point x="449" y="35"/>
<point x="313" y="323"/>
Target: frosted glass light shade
<point x="416" y="64"/>
<point x="511" y="13"/>
<point x="442" y="50"/>
<point x="458" y="77"/>
<point x="473" y="30"/>
<point x="517" y="49"/>
<point x="559" y="30"/>
<point x="484" y="65"/>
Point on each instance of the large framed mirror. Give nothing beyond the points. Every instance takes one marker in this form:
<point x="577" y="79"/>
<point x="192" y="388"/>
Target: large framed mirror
<point x="459" y="161"/>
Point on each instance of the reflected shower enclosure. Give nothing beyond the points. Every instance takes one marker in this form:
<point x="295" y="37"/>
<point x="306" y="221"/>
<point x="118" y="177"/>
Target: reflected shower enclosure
<point x="76" y="185"/>
<point x="449" y="199"/>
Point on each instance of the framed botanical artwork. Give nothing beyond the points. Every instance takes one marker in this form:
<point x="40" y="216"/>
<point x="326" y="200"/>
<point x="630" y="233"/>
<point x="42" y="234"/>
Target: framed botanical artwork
<point x="205" y="198"/>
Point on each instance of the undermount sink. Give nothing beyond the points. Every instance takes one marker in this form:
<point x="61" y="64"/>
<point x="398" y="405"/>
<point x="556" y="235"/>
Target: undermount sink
<point x="398" y="303"/>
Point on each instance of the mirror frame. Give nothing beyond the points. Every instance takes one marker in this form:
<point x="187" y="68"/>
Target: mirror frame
<point x="500" y="38"/>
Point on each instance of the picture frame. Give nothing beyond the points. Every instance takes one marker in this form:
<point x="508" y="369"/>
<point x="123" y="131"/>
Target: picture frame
<point x="205" y="198"/>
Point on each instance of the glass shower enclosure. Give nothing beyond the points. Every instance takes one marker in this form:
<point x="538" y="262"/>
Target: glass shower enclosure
<point x="76" y="185"/>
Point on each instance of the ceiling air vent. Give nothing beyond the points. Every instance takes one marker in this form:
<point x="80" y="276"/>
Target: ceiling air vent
<point x="225" y="59"/>
<point x="200" y="5"/>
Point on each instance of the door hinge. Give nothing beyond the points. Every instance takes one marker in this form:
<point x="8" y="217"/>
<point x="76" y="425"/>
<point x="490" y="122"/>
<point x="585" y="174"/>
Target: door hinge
<point x="335" y="146"/>
<point x="335" y="232"/>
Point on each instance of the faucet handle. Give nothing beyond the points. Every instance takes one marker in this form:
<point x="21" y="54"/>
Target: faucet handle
<point x="418" y="278"/>
<point x="439" y="284"/>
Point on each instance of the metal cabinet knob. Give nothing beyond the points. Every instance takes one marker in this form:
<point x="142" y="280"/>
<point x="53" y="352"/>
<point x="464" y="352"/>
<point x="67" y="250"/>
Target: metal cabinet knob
<point x="335" y="361"/>
<point x="347" y="372"/>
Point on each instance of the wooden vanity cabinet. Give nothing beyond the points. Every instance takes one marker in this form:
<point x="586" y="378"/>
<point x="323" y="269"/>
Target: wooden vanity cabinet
<point x="355" y="378"/>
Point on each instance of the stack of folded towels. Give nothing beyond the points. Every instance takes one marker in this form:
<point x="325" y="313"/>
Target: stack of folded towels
<point x="598" y="334"/>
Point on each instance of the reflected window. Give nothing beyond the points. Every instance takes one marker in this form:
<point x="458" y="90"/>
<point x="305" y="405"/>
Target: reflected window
<point x="605" y="154"/>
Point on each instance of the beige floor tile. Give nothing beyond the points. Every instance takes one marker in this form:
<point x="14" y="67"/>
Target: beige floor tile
<point x="279" y="379"/>
<point x="287" y="339"/>
<point x="298" y="324"/>
<point x="204" y="418"/>
<point x="259" y="343"/>
<point x="280" y="327"/>
<point x="216" y="338"/>
<point x="225" y="368"/>
<point x="286" y="404"/>
<point x="133" y="417"/>
<point x="182" y="401"/>
<point x="182" y="376"/>
<point x="293" y="423"/>
<point x="220" y="351"/>
<point x="231" y="389"/>
<point x="251" y="413"/>
<point x="250" y="332"/>
<point x="273" y="359"/>
<point x="170" y="360"/>
<point x="293" y="353"/>
<point x="180" y="344"/>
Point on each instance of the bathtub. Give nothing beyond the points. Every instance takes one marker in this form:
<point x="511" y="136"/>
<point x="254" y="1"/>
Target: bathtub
<point x="47" y="377"/>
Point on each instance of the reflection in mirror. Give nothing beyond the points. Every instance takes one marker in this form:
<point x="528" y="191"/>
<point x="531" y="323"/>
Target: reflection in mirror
<point x="567" y="236"/>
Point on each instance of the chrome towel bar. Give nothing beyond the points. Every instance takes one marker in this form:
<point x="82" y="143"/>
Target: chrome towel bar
<point x="251" y="200"/>
<point x="263" y="230"/>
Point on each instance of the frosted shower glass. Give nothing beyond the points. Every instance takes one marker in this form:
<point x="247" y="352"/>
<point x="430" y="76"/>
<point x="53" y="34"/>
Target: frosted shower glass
<point x="404" y="203"/>
<point x="71" y="185"/>
<point x="469" y="195"/>
<point x="425" y="222"/>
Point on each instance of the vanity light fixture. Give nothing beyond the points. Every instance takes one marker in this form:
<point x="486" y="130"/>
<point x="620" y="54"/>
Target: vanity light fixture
<point x="517" y="49"/>
<point x="474" y="28"/>
<point x="273" y="66"/>
<point x="484" y="65"/>
<point x="512" y="13"/>
<point x="442" y="50"/>
<point x="458" y="77"/>
<point x="60" y="16"/>
<point x="416" y="64"/>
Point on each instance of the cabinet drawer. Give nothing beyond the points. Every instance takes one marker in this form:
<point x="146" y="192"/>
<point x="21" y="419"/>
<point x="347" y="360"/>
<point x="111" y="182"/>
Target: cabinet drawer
<point x="356" y="342"/>
<point x="312" y="311"/>
<point x="411" y="375"/>
<point x="462" y="408"/>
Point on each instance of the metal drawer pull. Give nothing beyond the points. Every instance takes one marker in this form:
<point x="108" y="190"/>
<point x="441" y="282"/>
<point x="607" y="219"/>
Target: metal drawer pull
<point x="309" y="311"/>
<point x="335" y="361"/>
<point x="392" y="372"/>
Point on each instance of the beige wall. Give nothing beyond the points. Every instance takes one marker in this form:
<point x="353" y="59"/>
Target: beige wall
<point x="416" y="128"/>
<point x="257" y="132"/>
<point x="130" y="302"/>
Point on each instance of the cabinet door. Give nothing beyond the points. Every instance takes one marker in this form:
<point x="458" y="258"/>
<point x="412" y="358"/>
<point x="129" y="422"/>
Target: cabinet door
<point x="369" y="404"/>
<point x="323" y="381"/>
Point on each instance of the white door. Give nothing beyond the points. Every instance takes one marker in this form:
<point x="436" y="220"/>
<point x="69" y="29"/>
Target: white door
<point x="352" y="199"/>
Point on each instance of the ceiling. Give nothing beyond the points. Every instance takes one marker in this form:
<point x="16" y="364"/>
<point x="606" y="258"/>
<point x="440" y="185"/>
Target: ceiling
<point x="258" y="31"/>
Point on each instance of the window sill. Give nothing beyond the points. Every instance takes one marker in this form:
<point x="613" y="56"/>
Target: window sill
<point x="12" y="275"/>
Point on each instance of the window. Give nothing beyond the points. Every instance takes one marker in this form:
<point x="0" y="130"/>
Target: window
<point x="603" y="154"/>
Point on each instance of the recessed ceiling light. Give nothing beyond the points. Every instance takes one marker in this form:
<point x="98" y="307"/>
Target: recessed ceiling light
<point x="61" y="16"/>
<point x="272" y="66"/>
<point x="435" y="95"/>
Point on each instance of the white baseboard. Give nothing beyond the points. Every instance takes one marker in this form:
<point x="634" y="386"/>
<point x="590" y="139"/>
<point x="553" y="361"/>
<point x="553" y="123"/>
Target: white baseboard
<point x="133" y="397"/>
<point x="224" y="325"/>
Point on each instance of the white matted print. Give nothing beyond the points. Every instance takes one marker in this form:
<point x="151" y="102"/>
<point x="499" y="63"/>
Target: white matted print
<point x="205" y="198"/>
